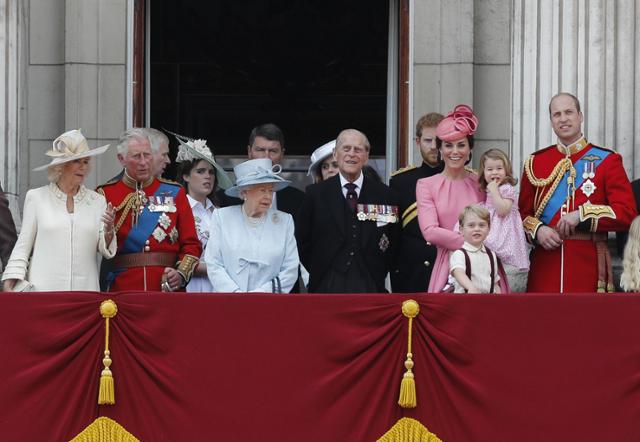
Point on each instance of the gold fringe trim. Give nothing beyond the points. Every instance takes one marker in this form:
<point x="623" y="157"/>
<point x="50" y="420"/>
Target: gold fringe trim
<point x="106" y="393"/>
<point x="409" y="430"/>
<point x="407" y="397"/>
<point x="104" y="429"/>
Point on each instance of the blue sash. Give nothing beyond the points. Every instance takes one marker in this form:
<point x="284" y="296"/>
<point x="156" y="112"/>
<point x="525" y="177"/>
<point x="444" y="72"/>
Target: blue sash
<point x="147" y="221"/>
<point x="560" y="195"/>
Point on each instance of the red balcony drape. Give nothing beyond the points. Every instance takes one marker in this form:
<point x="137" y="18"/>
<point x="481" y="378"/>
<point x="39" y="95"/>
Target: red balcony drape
<point x="228" y="367"/>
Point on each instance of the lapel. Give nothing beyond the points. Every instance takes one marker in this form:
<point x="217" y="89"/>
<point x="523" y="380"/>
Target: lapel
<point x="336" y="202"/>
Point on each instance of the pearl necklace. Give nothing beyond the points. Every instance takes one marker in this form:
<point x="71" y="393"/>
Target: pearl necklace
<point x="251" y="221"/>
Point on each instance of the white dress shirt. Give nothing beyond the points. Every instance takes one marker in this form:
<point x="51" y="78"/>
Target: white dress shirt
<point x="358" y="182"/>
<point x="202" y="216"/>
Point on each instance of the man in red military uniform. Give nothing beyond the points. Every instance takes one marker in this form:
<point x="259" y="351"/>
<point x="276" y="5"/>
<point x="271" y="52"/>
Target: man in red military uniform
<point x="158" y="247"/>
<point x="571" y="195"/>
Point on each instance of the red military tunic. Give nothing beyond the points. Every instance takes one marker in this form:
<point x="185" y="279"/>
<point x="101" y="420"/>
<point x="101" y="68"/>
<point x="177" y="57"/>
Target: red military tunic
<point x="155" y="229"/>
<point x="602" y="194"/>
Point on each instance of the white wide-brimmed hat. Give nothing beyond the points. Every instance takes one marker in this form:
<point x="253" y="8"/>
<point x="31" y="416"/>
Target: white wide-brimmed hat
<point x="71" y="146"/>
<point x="258" y="171"/>
<point x="190" y="150"/>
<point x="319" y="155"/>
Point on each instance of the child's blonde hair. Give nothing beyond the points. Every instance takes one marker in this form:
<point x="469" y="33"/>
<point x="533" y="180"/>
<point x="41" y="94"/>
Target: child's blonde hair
<point x="630" y="278"/>
<point x="476" y="210"/>
<point x="495" y="154"/>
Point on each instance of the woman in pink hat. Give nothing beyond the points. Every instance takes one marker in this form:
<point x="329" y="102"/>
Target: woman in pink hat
<point x="442" y="197"/>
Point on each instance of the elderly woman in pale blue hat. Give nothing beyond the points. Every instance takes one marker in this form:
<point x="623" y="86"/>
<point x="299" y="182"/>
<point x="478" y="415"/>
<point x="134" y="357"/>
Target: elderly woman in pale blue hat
<point x="251" y="246"/>
<point x="65" y="226"/>
<point x="201" y="176"/>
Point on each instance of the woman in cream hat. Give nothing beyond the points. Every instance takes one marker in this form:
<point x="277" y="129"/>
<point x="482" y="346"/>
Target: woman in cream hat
<point x="65" y="225"/>
<point x="201" y="177"/>
<point x="251" y="246"/>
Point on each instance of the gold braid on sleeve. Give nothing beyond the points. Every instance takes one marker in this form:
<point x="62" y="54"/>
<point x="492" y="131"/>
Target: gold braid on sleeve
<point x="565" y="165"/>
<point x="531" y="226"/>
<point x="594" y="212"/>
<point x="186" y="267"/>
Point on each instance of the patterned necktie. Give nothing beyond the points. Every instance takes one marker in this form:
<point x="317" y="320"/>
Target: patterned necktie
<point x="352" y="196"/>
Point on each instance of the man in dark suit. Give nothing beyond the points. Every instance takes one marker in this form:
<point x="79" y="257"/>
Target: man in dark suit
<point x="347" y="227"/>
<point x="415" y="256"/>
<point x="267" y="141"/>
<point x="7" y="230"/>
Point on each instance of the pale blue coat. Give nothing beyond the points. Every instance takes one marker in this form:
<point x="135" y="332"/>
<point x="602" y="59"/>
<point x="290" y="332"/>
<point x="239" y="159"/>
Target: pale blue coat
<point x="244" y="259"/>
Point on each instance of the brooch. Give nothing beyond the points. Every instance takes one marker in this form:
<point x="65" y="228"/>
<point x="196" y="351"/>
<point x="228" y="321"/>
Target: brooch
<point x="588" y="188"/>
<point x="159" y="234"/>
<point x="383" y="244"/>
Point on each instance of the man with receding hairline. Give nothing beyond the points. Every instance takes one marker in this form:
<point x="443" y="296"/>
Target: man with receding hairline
<point x="347" y="227"/>
<point x="572" y="194"/>
<point x="267" y="141"/>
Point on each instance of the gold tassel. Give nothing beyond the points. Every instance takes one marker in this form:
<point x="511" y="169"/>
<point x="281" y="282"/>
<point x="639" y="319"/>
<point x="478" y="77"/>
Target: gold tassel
<point x="104" y="429"/>
<point x="407" y="398"/>
<point x="106" y="394"/>
<point x="408" y="430"/>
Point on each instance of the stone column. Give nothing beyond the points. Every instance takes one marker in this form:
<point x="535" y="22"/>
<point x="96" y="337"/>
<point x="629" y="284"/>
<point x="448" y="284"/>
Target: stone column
<point x="13" y="44"/>
<point x="443" y="50"/>
<point x="587" y="47"/>
<point x="95" y="76"/>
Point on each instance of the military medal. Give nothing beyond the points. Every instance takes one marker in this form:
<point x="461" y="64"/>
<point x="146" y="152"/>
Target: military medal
<point x="588" y="171"/>
<point x="588" y="188"/>
<point x="377" y="212"/>
<point x="164" y="221"/>
<point x="159" y="234"/>
<point x="383" y="244"/>
<point x="173" y="235"/>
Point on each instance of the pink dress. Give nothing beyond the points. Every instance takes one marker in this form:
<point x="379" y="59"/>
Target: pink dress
<point x="440" y="201"/>
<point x="506" y="236"/>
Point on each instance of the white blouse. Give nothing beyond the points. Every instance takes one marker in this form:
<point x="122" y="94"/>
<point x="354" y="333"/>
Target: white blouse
<point x="202" y="216"/>
<point x="245" y="256"/>
<point x="57" y="250"/>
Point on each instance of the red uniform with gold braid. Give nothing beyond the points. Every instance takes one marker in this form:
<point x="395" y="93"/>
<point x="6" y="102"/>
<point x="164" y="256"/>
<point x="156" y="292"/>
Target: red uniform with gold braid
<point x="589" y="179"/>
<point x="155" y="229"/>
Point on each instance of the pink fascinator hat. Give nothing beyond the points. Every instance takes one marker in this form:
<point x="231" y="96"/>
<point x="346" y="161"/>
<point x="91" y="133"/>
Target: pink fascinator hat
<point x="460" y="122"/>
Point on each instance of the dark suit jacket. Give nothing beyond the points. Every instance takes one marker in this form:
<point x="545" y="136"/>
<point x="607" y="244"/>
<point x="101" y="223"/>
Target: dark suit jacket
<point x="415" y="257"/>
<point x="7" y="230"/>
<point x="321" y="230"/>
<point x="288" y="200"/>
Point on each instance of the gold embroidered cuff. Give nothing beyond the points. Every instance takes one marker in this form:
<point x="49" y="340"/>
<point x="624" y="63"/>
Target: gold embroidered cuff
<point x="186" y="267"/>
<point x="591" y="211"/>
<point x="531" y="226"/>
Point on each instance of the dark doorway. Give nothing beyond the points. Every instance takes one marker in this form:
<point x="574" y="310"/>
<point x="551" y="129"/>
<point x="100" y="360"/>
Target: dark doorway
<point x="313" y="67"/>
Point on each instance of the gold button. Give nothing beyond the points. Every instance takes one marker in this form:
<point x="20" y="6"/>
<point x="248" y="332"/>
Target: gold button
<point x="146" y="242"/>
<point x="147" y="248"/>
<point x="428" y="243"/>
<point x="427" y="263"/>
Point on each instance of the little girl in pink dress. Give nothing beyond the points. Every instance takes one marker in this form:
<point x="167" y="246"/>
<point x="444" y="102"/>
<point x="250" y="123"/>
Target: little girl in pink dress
<point x="506" y="237"/>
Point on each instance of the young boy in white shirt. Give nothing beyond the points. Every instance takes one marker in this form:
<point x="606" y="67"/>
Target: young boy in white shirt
<point x="474" y="267"/>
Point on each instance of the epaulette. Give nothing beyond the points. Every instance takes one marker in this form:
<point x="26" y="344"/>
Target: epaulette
<point x="604" y="148"/>
<point x="166" y="181"/>
<point x="403" y="169"/>
<point x="108" y="183"/>
<point x="553" y="146"/>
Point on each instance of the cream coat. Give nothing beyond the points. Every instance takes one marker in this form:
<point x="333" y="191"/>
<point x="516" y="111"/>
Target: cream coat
<point x="64" y="248"/>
